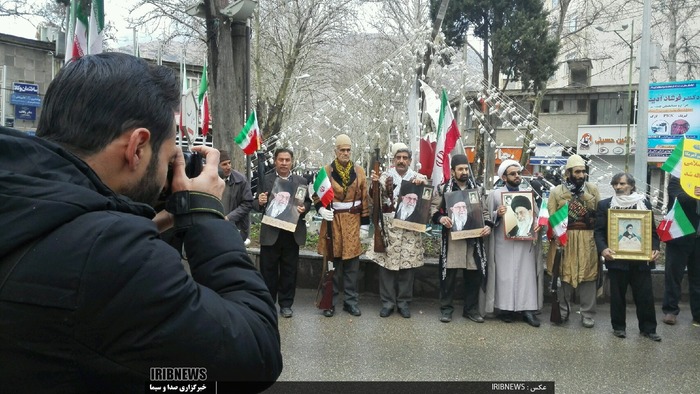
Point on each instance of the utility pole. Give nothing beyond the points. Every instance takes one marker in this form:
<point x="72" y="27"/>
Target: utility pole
<point x="640" y="157"/>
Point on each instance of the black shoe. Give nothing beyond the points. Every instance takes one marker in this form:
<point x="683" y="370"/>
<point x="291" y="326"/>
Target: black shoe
<point x="286" y="312"/>
<point x="474" y="316"/>
<point x="446" y="317"/>
<point x="386" y="312"/>
<point x="352" y="309"/>
<point x="405" y="312"/>
<point x="652" y="335"/>
<point x="620" y="333"/>
<point x="329" y="312"/>
<point x="531" y="319"/>
<point x="507" y="316"/>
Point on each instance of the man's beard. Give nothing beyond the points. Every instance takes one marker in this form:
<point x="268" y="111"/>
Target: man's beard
<point x="463" y="178"/>
<point x="147" y="190"/>
<point x="524" y="226"/>
<point x="513" y="184"/>
<point x="406" y="211"/>
<point x="459" y="220"/>
<point x="577" y="182"/>
<point x="277" y="208"/>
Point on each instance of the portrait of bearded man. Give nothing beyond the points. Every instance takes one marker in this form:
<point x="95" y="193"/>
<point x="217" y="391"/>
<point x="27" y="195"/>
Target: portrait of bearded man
<point x="460" y="215"/>
<point x="407" y="208"/>
<point x="279" y="207"/>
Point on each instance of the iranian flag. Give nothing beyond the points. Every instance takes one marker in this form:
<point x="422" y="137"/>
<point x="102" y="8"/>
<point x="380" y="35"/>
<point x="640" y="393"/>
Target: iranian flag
<point x="205" y="115"/>
<point x="97" y="27"/>
<point x="559" y="221"/>
<point x="77" y="44"/>
<point x="203" y="98"/>
<point x="673" y="163"/>
<point x="543" y="217"/>
<point x="675" y="224"/>
<point x="249" y="139"/>
<point x="323" y="188"/>
<point x="447" y="137"/>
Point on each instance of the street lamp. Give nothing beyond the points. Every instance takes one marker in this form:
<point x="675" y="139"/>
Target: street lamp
<point x="629" y="85"/>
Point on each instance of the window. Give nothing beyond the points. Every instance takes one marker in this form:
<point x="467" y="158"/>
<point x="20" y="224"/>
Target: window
<point x="560" y="105"/>
<point x="545" y="107"/>
<point x="572" y="24"/>
<point x="579" y="77"/>
<point x="555" y="3"/>
<point x="581" y="105"/>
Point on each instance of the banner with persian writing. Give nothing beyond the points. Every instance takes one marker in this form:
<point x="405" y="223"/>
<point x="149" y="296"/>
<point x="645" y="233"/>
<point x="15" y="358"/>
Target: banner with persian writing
<point x="674" y="110"/>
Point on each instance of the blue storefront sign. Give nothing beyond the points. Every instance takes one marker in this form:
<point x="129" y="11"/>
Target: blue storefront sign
<point x="25" y="112"/>
<point x="26" y="88"/>
<point x="29" y="100"/>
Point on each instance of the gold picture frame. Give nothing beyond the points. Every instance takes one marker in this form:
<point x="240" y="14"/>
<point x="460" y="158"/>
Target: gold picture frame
<point x="629" y="234"/>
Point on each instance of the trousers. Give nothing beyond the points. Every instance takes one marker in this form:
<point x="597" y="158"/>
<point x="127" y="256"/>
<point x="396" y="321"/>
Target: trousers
<point x="642" y="293"/>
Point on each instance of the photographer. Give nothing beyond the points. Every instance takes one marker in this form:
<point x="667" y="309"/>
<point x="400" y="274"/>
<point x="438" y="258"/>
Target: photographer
<point x="90" y="297"/>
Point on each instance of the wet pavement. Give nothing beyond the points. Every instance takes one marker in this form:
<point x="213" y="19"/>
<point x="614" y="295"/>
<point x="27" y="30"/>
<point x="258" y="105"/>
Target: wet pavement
<point x="577" y="359"/>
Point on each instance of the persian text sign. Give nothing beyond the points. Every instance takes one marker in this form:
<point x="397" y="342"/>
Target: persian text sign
<point x="674" y="110"/>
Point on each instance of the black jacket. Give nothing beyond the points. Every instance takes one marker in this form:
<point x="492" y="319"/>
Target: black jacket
<point x="100" y="298"/>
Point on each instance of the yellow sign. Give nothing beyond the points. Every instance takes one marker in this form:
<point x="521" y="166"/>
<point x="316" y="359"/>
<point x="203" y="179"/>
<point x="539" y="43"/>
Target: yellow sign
<point x="690" y="167"/>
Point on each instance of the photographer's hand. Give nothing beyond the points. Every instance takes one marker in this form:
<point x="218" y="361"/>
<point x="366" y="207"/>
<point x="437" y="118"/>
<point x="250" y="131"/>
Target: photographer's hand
<point x="207" y="182"/>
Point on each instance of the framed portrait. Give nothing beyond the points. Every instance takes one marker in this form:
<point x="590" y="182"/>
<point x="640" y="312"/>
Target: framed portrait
<point x="282" y="203"/>
<point x="413" y="206"/>
<point x="466" y="213"/>
<point x="629" y="234"/>
<point x="519" y="220"/>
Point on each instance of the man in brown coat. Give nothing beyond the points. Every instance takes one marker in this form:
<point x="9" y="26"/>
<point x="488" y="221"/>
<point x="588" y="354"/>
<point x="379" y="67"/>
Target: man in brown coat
<point x="349" y="214"/>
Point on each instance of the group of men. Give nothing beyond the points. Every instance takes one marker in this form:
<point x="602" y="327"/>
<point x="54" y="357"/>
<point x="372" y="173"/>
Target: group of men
<point x="92" y="298"/>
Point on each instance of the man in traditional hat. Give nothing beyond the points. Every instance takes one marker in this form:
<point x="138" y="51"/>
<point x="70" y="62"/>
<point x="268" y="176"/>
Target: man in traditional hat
<point x="466" y="255"/>
<point x="349" y="218"/>
<point x="404" y="248"/>
<point x="237" y="199"/>
<point x="516" y="286"/>
<point x="579" y="264"/>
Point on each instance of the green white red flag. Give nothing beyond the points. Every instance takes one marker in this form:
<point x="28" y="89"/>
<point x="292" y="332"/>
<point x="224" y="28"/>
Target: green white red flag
<point x="97" y="27"/>
<point x="250" y="138"/>
<point x="323" y="187"/>
<point x="558" y="222"/>
<point x="203" y="98"/>
<point x="447" y="137"/>
<point x="77" y="40"/>
<point x="675" y="224"/>
<point x="673" y="163"/>
<point x="543" y="217"/>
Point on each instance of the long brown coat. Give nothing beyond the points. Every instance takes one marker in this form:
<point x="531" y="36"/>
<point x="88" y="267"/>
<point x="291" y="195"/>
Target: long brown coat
<point x="580" y="259"/>
<point x="346" y="225"/>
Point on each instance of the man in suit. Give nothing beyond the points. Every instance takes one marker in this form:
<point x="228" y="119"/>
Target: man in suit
<point x="279" y="249"/>
<point x="237" y="198"/>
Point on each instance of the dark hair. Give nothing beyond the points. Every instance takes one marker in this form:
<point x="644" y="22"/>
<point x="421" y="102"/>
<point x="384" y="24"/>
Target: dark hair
<point x="282" y="150"/>
<point x="96" y="98"/>
<point x="630" y="179"/>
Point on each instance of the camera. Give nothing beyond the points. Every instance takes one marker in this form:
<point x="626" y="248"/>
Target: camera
<point x="194" y="163"/>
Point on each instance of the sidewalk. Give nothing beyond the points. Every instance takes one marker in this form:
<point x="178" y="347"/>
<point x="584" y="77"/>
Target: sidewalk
<point x="578" y="360"/>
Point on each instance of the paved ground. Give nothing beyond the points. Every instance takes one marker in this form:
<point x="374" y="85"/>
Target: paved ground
<point x="578" y="360"/>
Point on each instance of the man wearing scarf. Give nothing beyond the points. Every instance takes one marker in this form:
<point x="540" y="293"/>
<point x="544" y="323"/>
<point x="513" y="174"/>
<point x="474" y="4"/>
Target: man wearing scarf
<point x="348" y="213"/>
<point x="623" y="273"/>
<point x="579" y="263"/>
<point x="516" y="282"/>
<point x="466" y="255"/>
<point x="404" y="248"/>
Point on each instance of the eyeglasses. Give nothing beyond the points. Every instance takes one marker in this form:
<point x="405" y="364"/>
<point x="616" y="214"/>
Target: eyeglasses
<point x="514" y="173"/>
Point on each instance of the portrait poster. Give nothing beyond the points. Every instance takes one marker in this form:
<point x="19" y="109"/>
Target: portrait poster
<point x="466" y="213"/>
<point x="282" y="203"/>
<point x="629" y="234"/>
<point x="413" y="206"/>
<point x="519" y="220"/>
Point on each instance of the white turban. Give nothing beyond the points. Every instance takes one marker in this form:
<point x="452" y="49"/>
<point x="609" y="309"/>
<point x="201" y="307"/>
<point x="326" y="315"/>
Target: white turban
<point x="397" y="147"/>
<point x="505" y="164"/>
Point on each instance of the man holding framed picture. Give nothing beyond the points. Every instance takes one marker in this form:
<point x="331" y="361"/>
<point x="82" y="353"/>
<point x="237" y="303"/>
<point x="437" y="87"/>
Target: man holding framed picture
<point x="622" y="272"/>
